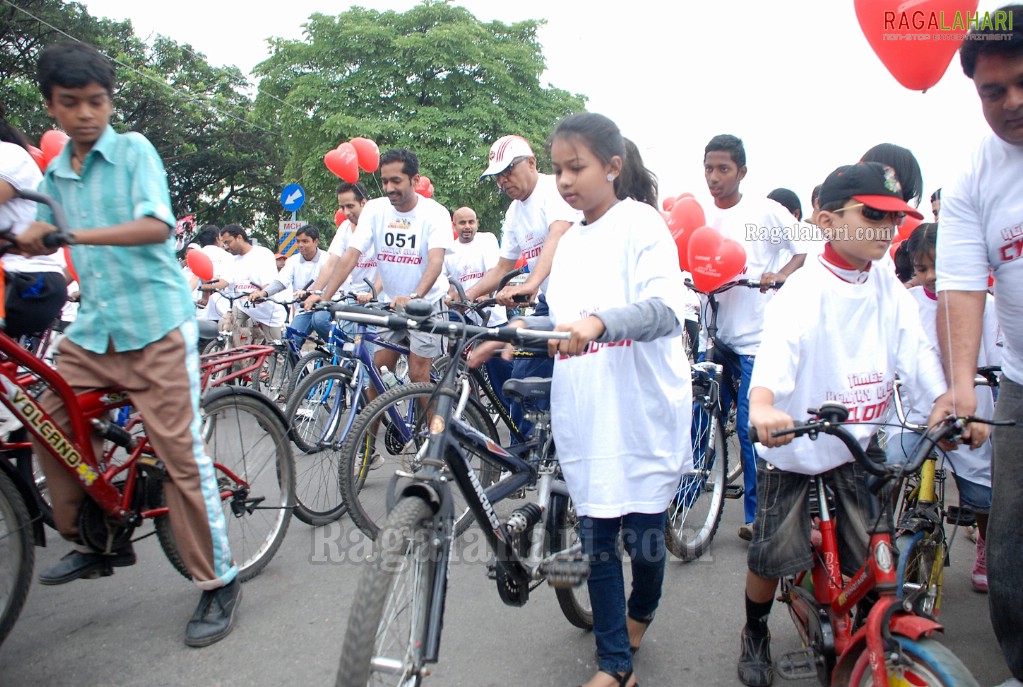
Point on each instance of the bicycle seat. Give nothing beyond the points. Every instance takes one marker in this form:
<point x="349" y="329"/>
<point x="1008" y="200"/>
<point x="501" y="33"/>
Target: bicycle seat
<point x="528" y="388"/>
<point x="208" y="329"/>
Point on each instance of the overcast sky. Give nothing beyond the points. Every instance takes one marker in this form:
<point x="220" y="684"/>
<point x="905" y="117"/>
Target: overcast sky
<point x="796" y="80"/>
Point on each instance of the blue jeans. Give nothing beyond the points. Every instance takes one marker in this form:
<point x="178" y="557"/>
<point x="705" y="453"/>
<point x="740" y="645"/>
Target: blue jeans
<point x="1004" y="535"/>
<point x="643" y="539"/>
<point x="302" y="322"/>
<point x="740" y="366"/>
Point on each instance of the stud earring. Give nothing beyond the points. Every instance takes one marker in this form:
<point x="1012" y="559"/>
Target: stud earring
<point x="610" y="176"/>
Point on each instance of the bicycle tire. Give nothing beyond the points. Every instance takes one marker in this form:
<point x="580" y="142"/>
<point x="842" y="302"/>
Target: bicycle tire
<point x="272" y="376"/>
<point x="924" y="568"/>
<point x="318" y="413"/>
<point x="930" y="664"/>
<point x="733" y="449"/>
<point x="308" y="363"/>
<point x="245" y="435"/>
<point x="17" y="554"/>
<point x="392" y="602"/>
<point x="695" y="511"/>
<point x="563" y="532"/>
<point x="318" y="408"/>
<point x="365" y="489"/>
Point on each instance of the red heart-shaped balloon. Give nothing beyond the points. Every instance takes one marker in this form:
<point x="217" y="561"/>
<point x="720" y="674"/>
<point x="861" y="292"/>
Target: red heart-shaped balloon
<point x="344" y="162"/>
<point x="368" y="153"/>
<point x="685" y="217"/>
<point x="908" y="225"/>
<point x="713" y="259"/>
<point x="38" y="156"/>
<point x="339" y="218"/>
<point x="51" y="143"/>
<point x="200" y="264"/>
<point x="915" y="40"/>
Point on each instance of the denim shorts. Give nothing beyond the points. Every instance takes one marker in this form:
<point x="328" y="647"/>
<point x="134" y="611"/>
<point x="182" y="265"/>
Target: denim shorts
<point x="781" y="530"/>
<point x="974" y="496"/>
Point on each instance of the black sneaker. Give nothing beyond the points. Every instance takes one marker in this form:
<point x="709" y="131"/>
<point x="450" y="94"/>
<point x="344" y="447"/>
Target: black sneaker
<point x="77" y="564"/>
<point x="755" y="668"/>
<point x="214" y="616"/>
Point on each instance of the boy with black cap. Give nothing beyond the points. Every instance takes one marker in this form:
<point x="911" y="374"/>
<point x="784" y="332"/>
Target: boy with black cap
<point x="840" y="331"/>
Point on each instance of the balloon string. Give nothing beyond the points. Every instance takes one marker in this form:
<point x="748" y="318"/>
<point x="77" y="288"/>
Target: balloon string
<point x="951" y="357"/>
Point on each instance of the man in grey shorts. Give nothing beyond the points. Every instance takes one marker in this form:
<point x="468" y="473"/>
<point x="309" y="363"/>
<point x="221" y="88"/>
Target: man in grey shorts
<point x="409" y="235"/>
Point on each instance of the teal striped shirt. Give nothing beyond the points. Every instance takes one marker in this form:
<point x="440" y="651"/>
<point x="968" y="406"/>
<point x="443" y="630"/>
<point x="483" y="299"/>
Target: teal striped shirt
<point x="131" y="295"/>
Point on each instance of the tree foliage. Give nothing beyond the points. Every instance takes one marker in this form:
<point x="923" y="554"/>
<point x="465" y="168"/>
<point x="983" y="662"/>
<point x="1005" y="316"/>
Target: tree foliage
<point x="220" y="165"/>
<point x="434" y="79"/>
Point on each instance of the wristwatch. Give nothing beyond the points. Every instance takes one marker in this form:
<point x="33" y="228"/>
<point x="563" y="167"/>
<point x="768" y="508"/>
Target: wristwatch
<point x="413" y="295"/>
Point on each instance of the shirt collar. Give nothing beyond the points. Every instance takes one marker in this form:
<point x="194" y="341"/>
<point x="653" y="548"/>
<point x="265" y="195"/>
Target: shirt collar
<point x="104" y="146"/>
<point x="841" y="268"/>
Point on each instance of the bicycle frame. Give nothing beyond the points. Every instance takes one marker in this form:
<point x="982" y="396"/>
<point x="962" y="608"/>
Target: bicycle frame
<point x="836" y="600"/>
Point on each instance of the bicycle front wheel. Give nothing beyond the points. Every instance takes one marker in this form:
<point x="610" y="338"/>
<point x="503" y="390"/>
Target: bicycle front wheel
<point x="255" y="475"/>
<point x="17" y="554"/>
<point x="734" y="450"/>
<point x="928" y="664"/>
<point x="386" y="438"/>
<point x="387" y="626"/>
<point x="922" y="568"/>
<point x="695" y="512"/>
<point x="318" y="415"/>
<point x="306" y="365"/>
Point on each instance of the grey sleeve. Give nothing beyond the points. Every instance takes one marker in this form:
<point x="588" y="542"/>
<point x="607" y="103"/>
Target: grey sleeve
<point x="274" y="287"/>
<point x="539" y="322"/>
<point x="643" y="321"/>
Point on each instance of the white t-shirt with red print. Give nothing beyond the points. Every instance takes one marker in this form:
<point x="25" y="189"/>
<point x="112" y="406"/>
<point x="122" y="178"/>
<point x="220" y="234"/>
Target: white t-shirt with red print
<point x="527" y="222"/>
<point x="621" y="412"/>
<point x="468" y="262"/>
<point x="832" y="334"/>
<point x="741" y="313"/>
<point x="400" y="242"/>
<point x="973" y="465"/>
<point x="982" y="229"/>
<point x="365" y="269"/>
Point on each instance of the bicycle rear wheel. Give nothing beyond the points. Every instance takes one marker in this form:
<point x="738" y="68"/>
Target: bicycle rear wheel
<point x="695" y="512"/>
<point x="929" y="664"/>
<point x="387" y="626"/>
<point x="318" y="414"/>
<point x="17" y="554"/>
<point x="252" y="457"/>
<point x="378" y="446"/>
<point x="307" y="364"/>
<point x="734" y="450"/>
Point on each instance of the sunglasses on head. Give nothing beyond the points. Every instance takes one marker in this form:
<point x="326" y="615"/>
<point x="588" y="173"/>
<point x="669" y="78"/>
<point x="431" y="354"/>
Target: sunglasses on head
<point x="875" y="215"/>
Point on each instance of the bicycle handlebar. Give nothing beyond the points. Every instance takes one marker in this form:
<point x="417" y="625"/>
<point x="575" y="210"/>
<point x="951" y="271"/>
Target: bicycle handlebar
<point x="61" y="237"/>
<point x="748" y="283"/>
<point x="830" y="419"/>
<point x="443" y="327"/>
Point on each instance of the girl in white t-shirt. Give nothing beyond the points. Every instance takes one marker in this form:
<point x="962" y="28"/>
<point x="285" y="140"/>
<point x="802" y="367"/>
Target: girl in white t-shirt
<point x="621" y="400"/>
<point x="970" y="467"/>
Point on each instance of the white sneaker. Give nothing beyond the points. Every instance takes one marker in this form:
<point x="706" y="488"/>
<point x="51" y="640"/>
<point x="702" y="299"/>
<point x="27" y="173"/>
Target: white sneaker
<point x="377" y="461"/>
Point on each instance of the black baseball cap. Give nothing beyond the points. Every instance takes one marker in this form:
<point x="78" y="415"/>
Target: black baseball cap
<point x="871" y="183"/>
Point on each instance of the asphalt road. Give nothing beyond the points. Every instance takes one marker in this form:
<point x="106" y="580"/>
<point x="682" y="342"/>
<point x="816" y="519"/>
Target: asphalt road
<point x="128" y="629"/>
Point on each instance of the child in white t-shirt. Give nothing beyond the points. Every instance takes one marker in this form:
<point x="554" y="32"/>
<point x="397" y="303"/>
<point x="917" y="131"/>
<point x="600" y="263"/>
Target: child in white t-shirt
<point x="838" y="331"/>
<point x="621" y="400"/>
<point x="970" y="467"/>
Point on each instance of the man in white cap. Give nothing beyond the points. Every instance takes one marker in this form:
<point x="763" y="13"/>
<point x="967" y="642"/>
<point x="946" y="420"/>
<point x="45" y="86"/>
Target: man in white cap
<point x="537" y="216"/>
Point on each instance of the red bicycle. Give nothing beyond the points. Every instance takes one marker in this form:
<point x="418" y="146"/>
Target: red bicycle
<point x="891" y="644"/>
<point x="244" y="433"/>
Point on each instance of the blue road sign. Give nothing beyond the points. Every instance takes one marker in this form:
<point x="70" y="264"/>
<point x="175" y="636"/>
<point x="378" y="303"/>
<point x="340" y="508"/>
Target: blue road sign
<point x="292" y="197"/>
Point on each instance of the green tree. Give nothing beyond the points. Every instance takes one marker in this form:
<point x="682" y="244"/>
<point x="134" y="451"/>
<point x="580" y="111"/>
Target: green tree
<point x="434" y="79"/>
<point x="221" y="166"/>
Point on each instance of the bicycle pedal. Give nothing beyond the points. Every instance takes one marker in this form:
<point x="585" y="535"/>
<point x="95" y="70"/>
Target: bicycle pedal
<point x="801" y="664"/>
<point x="491" y="570"/>
<point x="734" y="491"/>
<point x="567" y="571"/>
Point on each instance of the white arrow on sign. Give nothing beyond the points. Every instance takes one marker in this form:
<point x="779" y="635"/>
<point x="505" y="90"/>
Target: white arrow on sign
<point x="293" y="197"/>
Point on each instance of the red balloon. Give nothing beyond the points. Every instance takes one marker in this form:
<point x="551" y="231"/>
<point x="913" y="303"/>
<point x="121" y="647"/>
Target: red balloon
<point x="684" y="195"/>
<point x="368" y="154"/>
<point x="200" y="264"/>
<point x="894" y="247"/>
<point x="51" y="143"/>
<point x="424" y="186"/>
<point x="686" y="216"/>
<point x="339" y="218"/>
<point x="714" y="260"/>
<point x="38" y="156"/>
<point x="908" y="225"/>
<point x="344" y="162"/>
<point x="668" y="203"/>
<point x="70" y="265"/>
<point x="909" y="37"/>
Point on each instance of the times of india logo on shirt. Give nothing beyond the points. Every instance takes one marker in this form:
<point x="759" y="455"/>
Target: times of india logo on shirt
<point x="866" y="396"/>
<point x="1012" y="249"/>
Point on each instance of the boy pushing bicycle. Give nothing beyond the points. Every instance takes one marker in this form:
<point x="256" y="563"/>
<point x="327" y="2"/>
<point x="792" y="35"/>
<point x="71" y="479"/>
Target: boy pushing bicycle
<point x="136" y="328"/>
<point x="840" y="330"/>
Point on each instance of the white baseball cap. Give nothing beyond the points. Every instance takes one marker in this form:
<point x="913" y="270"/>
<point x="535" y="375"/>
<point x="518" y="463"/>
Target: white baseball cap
<point x="504" y="150"/>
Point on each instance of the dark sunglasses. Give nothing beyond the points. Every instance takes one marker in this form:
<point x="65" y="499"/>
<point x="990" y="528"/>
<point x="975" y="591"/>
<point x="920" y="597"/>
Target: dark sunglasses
<point x="875" y="215"/>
